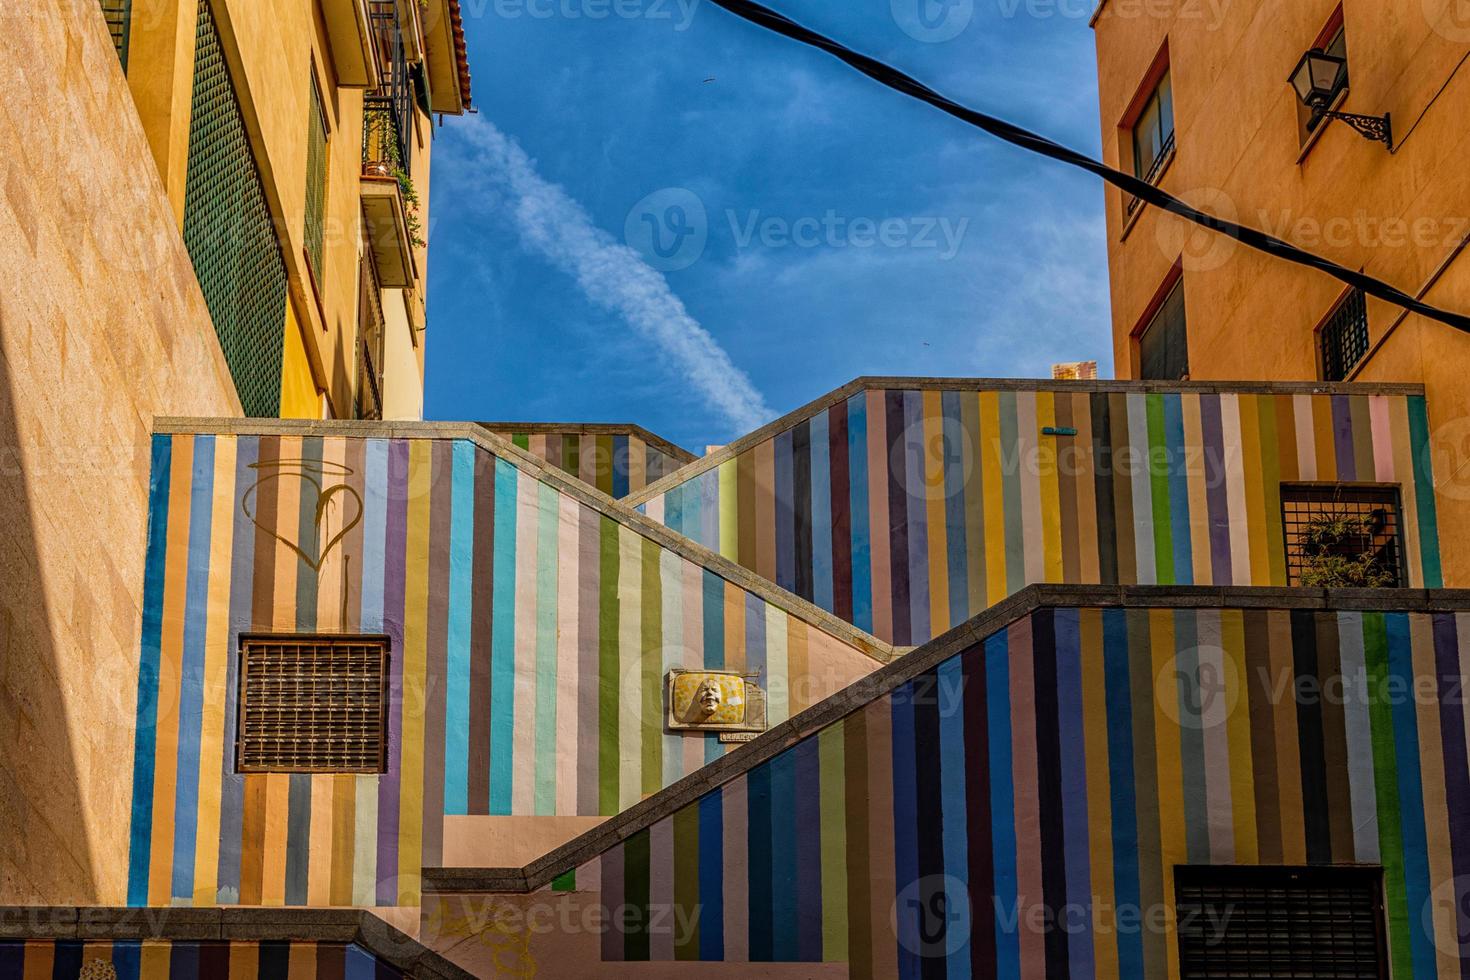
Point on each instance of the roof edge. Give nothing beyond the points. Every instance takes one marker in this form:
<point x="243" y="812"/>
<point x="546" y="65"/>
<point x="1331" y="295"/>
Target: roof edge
<point x="840" y="629"/>
<point x="869" y="382"/>
<point x="807" y="723"/>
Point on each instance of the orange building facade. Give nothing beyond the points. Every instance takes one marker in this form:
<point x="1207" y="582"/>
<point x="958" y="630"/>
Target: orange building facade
<point x="1195" y="96"/>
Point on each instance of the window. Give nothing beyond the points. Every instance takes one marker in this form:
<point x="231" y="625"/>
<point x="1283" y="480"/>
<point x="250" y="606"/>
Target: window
<point x="1332" y="40"/>
<point x="1152" y="129"/>
<point x="1299" y="923"/>
<point x="313" y="703"/>
<point x="1163" y="345"/>
<point x="118" y="14"/>
<point x="1343" y="337"/>
<point x="1343" y="535"/>
<point x="316" y="179"/>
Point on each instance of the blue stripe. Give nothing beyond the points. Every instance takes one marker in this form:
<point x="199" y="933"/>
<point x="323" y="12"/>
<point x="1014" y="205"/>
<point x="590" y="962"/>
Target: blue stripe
<point x="711" y="876"/>
<point x="1003" y="806"/>
<point x="503" y="641"/>
<point x="674" y="509"/>
<point x="916" y="486"/>
<point x="905" y="826"/>
<point x="714" y="642"/>
<point x="1411" y="791"/>
<point x="457" y="640"/>
<point x="784" y="855"/>
<point x="756" y="660"/>
<point x="360" y="964"/>
<point x="956" y="448"/>
<point x="1078" y="858"/>
<point x="1178" y="489"/>
<point x="191" y="679"/>
<point x="1126" y="889"/>
<point x="951" y="679"/>
<point x="127" y="959"/>
<point x="148" y="658"/>
<point x="622" y="463"/>
<point x="785" y="529"/>
<point x="821" y="480"/>
<point x="758" y="833"/>
<point x="857" y="468"/>
<point x="374" y="533"/>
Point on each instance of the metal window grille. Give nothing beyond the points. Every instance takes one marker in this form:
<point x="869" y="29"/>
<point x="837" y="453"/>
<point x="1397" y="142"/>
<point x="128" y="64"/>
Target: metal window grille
<point x="316" y="180"/>
<point x="1319" y="923"/>
<point x="118" y="14"/>
<point x="230" y="234"/>
<point x="313" y="704"/>
<point x="1163" y="347"/>
<point x="1378" y="509"/>
<point x="1152" y="174"/>
<point x="1344" y="337"/>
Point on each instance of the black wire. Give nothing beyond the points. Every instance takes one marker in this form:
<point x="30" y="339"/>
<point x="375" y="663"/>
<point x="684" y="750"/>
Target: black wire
<point x="1254" y="238"/>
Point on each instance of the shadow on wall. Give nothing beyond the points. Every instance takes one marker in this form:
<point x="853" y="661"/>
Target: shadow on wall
<point x="45" y="854"/>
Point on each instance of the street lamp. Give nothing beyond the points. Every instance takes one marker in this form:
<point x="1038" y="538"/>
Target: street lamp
<point x="1318" y="78"/>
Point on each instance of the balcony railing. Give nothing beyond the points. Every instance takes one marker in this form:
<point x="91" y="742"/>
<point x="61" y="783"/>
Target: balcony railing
<point x="1155" y="169"/>
<point x="388" y="109"/>
<point x="118" y="14"/>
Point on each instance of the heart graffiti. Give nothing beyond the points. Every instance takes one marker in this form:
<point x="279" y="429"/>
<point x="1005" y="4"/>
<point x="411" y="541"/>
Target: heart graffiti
<point x="312" y="474"/>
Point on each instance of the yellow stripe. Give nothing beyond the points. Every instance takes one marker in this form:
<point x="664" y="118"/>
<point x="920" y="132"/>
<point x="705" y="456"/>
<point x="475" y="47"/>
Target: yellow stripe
<point x="1255" y="494"/>
<point x="244" y="960"/>
<point x="932" y="459"/>
<point x="729" y="515"/>
<point x="1051" y="500"/>
<point x="216" y="668"/>
<point x="995" y="518"/>
<point x="170" y="670"/>
<point x="40" y="960"/>
<point x="154" y="962"/>
<point x="273" y="861"/>
<point x="415" y="672"/>
<point x="1436" y="805"/>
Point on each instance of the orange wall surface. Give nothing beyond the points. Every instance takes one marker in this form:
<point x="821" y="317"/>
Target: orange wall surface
<point x="1402" y="216"/>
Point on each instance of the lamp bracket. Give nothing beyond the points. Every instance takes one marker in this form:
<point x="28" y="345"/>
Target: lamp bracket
<point x="1376" y="128"/>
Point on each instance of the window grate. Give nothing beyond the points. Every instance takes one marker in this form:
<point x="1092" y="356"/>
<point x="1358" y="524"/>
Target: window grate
<point x="118" y="14"/>
<point x="1344" y="337"/>
<point x="230" y="234"/>
<point x="313" y="704"/>
<point x="1369" y="533"/>
<point x="1320" y="923"/>
<point x="316" y="181"/>
<point x="1152" y="175"/>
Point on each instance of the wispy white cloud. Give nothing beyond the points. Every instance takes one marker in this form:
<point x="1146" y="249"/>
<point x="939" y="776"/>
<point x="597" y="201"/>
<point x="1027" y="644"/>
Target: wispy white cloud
<point x="611" y="274"/>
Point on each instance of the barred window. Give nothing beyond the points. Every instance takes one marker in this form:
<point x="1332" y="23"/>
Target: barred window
<point x="1344" y="337"/>
<point x="119" y="15"/>
<point x="1163" y="346"/>
<point x="1343" y="535"/>
<point x="1300" y="923"/>
<point x="311" y="703"/>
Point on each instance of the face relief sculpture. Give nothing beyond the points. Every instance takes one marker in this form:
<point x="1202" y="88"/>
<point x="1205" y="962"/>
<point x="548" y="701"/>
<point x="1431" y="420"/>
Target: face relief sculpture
<point x="709" y="698"/>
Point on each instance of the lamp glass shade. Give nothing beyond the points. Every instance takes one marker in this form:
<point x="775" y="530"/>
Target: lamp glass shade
<point x="1317" y="76"/>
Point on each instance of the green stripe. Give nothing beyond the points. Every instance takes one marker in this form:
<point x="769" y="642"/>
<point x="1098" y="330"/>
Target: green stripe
<point x="1424" y="493"/>
<point x="1386" y="786"/>
<point x="686" y="881"/>
<point x="1158" y="472"/>
<point x="831" y="765"/>
<point x="522" y="439"/>
<point x="565" y="882"/>
<point x="607" y="666"/>
<point x="635" y="894"/>
<point x="546" y="668"/>
<point x="650" y="667"/>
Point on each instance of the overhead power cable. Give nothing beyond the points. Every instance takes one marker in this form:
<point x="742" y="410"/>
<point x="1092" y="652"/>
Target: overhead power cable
<point x="1252" y="237"/>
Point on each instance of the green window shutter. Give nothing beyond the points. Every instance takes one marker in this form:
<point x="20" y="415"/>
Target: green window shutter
<point x="316" y="181"/>
<point x="229" y="232"/>
<point x="119" y="15"/>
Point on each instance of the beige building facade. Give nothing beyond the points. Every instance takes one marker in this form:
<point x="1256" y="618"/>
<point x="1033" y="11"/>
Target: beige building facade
<point x="1195" y="97"/>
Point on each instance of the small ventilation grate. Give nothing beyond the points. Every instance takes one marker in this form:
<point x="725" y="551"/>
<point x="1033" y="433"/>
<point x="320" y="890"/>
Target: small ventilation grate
<point x="313" y="704"/>
<point x="1319" y="923"/>
<point x="119" y="15"/>
<point x="1344" y="337"/>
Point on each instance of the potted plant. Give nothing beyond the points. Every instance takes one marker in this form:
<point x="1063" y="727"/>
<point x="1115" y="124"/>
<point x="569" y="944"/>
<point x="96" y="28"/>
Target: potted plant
<point x="1339" y="552"/>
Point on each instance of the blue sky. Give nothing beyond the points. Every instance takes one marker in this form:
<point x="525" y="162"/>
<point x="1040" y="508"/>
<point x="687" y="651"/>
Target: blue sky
<point x="615" y="238"/>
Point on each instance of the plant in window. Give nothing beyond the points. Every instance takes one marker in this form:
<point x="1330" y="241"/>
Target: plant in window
<point x="382" y="159"/>
<point x="1338" y="552"/>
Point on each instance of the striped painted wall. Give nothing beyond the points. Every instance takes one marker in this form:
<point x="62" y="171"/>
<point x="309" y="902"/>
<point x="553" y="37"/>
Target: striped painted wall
<point x="617" y="463"/>
<point x="530" y="635"/>
<point x="1062" y="767"/>
<point x="907" y="512"/>
<point x="133" y="960"/>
